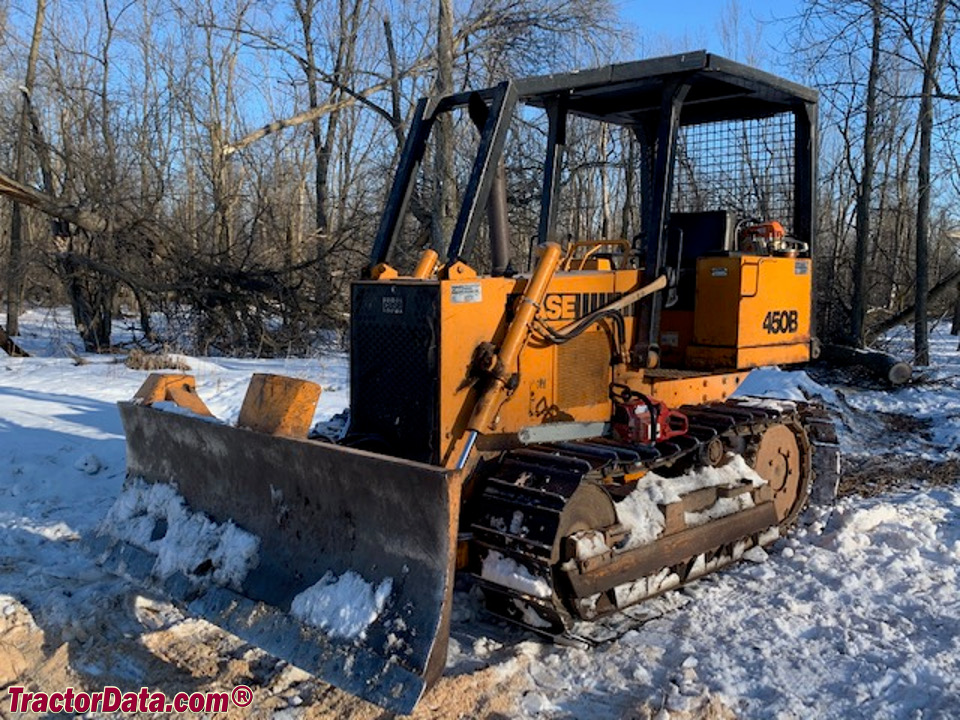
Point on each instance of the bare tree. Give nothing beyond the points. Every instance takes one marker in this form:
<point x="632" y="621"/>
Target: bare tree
<point x="921" y="346"/>
<point x="177" y="188"/>
<point x="865" y="189"/>
<point x="445" y="195"/>
<point x="870" y="59"/>
<point x="15" y="268"/>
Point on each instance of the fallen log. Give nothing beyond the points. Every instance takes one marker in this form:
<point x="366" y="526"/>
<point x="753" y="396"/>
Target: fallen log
<point x="9" y="346"/>
<point x="884" y="366"/>
<point x="938" y="293"/>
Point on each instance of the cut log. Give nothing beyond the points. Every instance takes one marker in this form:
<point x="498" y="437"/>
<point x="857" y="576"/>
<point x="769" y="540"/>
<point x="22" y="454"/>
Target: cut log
<point x="9" y="346"/>
<point x="882" y="365"/>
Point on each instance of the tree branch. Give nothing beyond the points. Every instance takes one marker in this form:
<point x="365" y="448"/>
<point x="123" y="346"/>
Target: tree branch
<point x="321" y="110"/>
<point x="31" y="197"/>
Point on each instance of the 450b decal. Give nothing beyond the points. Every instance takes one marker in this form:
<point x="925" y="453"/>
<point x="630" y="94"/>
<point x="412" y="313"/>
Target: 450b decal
<point x="781" y="321"/>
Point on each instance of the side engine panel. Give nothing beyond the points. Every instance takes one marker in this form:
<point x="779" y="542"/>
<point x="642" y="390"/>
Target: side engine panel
<point x="751" y="310"/>
<point x="395" y="336"/>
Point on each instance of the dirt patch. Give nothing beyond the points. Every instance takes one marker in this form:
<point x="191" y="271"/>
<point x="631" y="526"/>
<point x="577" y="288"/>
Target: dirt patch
<point x="489" y="693"/>
<point x="908" y="425"/>
<point x="706" y="707"/>
<point x="194" y="647"/>
<point x="21" y="641"/>
<point x="879" y="474"/>
<point x="166" y="652"/>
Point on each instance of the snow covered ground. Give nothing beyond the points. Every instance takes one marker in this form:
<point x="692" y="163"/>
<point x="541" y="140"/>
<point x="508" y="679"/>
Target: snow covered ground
<point x="857" y="614"/>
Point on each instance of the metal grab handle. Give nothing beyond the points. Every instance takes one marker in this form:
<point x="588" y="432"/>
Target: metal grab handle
<point x="594" y="246"/>
<point x="756" y="284"/>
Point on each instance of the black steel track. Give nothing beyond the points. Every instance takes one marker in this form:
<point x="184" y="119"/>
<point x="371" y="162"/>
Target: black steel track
<point x="517" y="511"/>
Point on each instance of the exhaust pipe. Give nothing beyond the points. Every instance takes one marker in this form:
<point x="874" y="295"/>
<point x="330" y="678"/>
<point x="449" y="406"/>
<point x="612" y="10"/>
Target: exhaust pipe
<point x="498" y="222"/>
<point x="497" y="202"/>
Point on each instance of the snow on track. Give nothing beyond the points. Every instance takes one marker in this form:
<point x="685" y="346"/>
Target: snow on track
<point x="508" y="572"/>
<point x="640" y="511"/>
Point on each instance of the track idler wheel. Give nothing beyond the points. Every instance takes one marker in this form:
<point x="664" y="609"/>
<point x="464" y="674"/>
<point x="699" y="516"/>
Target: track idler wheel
<point x="589" y="508"/>
<point x="782" y="458"/>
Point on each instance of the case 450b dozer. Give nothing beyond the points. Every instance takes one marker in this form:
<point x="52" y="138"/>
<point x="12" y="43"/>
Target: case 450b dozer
<point x="565" y="436"/>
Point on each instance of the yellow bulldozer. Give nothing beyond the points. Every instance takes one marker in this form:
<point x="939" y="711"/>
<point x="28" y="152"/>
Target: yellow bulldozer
<point x="564" y="436"/>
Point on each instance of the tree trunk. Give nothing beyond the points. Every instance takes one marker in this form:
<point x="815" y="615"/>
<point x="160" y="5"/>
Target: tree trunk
<point x="604" y="185"/>
<point x="91" y="296"/>
<point x="627" y="223"/>
<point x="921" y="345"/>
<point x="395" y="111"/>
<point x="15" y="270"/>
<point x="323" y="139"/>
<point x="445" y="197"/>
<point x="10" y="347"/>
<point x="865" y="193"/>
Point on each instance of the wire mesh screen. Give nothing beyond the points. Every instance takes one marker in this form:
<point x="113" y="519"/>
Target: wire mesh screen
<point x="746" y="166"/>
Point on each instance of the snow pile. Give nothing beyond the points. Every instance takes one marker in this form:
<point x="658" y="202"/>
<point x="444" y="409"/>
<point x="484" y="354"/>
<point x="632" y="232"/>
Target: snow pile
<point x="344" y="607"/>
<point x="772" y="382"/>
<point x="756" y="554"/>
<point x="631" y="592"/>
<point x="154" y="517"/>
<point x="334" y="428"/>
<point x="886" y="529"/>
<point x="858" y="616"/>
<point x="640" y="511"/>
<point x="89" y="464"/>
<point x="508" y="572"/>
<point x="529" y="615"/>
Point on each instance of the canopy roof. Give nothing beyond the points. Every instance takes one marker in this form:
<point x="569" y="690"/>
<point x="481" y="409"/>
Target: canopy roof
<point x="632" y="93"/>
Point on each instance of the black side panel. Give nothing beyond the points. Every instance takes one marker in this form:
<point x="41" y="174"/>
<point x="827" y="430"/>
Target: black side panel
<point x="394" y="368"/>
<point x="702" y="233"/>
<point x="691" y="235"/>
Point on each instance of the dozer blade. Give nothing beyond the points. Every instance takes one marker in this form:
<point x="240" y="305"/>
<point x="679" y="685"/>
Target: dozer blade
<point x="316" y="508"/>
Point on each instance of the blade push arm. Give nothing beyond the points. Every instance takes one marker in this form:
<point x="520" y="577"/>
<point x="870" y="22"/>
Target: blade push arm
<point x="498" y="366"/>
